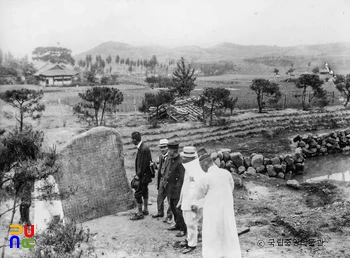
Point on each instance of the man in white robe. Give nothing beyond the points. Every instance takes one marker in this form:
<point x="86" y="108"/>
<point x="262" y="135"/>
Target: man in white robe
<point x="220" y="237"/>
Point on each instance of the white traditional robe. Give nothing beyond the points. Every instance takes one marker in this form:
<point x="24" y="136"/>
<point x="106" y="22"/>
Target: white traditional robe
<point x="46" y="209"/>
<point x="220" y="237"/>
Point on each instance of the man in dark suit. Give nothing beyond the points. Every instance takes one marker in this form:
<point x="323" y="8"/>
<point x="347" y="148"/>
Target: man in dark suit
<point x="174" y="185"/>
<point x="143" y="173"/>
<point x="163" y="170"/>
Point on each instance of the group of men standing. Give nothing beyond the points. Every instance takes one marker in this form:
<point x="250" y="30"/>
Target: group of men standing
<point x="196" y="189"/>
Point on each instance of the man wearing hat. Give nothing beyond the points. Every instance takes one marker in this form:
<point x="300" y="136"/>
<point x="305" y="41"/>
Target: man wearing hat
<point x="163" y="169"/>
<point x="143" y="173"/>
<point x="173" y="188"/>
<point x="193" y="173"/>
<point x="220" y="238"/>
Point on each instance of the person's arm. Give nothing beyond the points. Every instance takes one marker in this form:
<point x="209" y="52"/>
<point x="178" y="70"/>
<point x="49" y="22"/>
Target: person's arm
<point x="201" y="190"/>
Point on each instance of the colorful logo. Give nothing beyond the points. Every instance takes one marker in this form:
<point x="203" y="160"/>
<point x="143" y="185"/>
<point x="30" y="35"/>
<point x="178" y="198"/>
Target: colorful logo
<point x="27" y="242"/>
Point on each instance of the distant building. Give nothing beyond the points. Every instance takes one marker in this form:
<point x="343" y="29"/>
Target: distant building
<point x="55" y="75"/>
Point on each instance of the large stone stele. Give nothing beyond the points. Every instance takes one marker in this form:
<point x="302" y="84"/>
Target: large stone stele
<point x="92" y="173"/>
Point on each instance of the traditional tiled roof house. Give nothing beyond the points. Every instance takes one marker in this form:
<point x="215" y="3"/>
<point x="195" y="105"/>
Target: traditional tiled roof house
<point x="55" y="75"/>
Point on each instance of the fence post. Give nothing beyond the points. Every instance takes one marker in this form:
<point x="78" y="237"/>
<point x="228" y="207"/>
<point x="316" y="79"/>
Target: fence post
<point x="333" y="98"/>
<point x="285" y="101"/>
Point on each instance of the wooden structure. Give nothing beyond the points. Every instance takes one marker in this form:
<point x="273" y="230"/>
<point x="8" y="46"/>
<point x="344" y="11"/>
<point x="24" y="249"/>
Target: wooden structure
<point x="55" y="75"/>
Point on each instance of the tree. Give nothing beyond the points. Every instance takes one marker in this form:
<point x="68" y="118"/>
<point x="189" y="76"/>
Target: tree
<point x="156" y="100"/>
<point x="183" y="80"/>
<point x="342" y="83"/>
<point x="309" y="80"/>
<point x="53" y="54"/>
<point x="276" y="71"/>
<point x="316" y="70"/>
<point x="230" y="103"/>
<point x="117" y="58"/>
<point x="263" y="87"/>
<point x="215" y="98"/>
<point x="152" y="63"/>
<point x="97" y="101"/>
<point x="109" y="59"/>
<point x="27" y="103"/>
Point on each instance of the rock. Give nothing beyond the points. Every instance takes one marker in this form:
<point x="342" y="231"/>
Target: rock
<point x="267" y="161"/>
<point x="241" y="169"/>
<point x="288" y="175"/>
<point x="277" y="168"/>
<point x="270" y="170"/>
<point x="217" y="162"/>
<point x="222" y="164"/>
<point x="214" y="156"/>
<point x="229" y="164"/>
<point x="313" y="150"/>
<point x="247" y="161"/>
<point x="345" y="149"/>
<point x="257" y="160"/>
<point x="301" y="144"/>
<point x="293" y="183"/>
<point x="237" y="180"/>
<point x="280" y="175"/>
<point x="220" y="155"/>
<point x="299" y="168"/>
<point x="276" y="161"/>
<point x="284" y="167"/>
<point x="323" y="149"/>
<point x="226" y="156"/>
<point x="298" y="157"/>
<point x="288" y="160"/>
<point x="237" y="159"/>
<point x="261" y="169"/>
<point x="225" y="150"/>
<point x="297" y="138"/>
<point x="250" y="171"/>
<point x="85" y="168"/>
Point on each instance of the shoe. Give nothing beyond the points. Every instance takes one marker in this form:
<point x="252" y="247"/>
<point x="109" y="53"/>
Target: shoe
<point x="173" y="228"/>
<point x="181" y="234"/>
<point x="188" y="249"/>
<point x="145" y="213"/>
<point x="157" y="215"/>
<point x="137" y="217"/>
<point x="183" y="243"/>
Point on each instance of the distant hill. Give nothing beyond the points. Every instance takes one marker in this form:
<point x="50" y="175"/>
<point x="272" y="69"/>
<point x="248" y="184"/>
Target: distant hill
<point x="337" y="54"/>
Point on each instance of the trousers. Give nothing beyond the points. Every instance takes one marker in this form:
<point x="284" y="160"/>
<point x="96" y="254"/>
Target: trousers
<point x="192" y="220"/>
<point x="160" y="199"/>
<point x="179" y="219"/>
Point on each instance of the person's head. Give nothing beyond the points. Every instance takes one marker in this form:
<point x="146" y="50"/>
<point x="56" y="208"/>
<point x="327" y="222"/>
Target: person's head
<point x="201" y="152"/>
<point x="206" y="162"/>
<point x="188" y="154"/>
<point x="163" y="145"/>
<point x="173" y="149"/>
<point x="136" y="138"/>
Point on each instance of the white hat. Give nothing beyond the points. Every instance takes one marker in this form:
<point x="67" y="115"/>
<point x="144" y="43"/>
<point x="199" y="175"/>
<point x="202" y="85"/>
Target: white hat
<point x="189" y="152"/>
<point x="163" y="142"/>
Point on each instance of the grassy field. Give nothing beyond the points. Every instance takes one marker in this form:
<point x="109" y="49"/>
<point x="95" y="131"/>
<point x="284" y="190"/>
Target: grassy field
<point x="238" y="84"/>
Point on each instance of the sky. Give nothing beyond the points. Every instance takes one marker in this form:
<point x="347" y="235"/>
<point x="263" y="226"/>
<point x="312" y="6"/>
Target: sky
<point x="83" y="24"/>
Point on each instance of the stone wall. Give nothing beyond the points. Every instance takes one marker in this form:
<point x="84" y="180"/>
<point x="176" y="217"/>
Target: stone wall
<point x="93" y="174"/>
<point x="285" y="166"/>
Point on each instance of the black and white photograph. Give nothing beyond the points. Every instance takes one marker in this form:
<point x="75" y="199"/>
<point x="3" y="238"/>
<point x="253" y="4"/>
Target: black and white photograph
<point x="174" y="129"/>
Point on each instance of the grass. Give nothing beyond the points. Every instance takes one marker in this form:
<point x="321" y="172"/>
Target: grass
<point x="238" y="84"/>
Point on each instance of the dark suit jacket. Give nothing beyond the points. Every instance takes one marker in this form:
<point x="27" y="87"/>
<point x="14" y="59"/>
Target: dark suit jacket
<point x="142" y="161"/>
<point x="159" y="167"/>
<point x="176" y="178"/>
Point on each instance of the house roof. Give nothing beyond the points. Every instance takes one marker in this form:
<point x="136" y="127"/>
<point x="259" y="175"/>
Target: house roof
<point x="59" y="72"/>
<point x="43" y="67"/>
